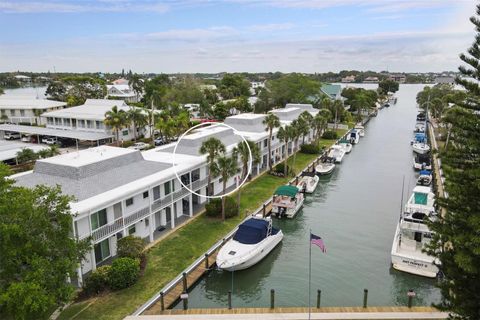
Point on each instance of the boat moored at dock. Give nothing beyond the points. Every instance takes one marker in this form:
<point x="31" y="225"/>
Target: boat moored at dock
<point x="360" y="129"/>
<point x="354" y="136"/>
<point x="413" y="235"/>
<point x="287" y="201"/>
<point x="421" y="148"/>
<point x="347" y="146"/>
<point x="308" y="183"/>
<point x="324" y="168"/>
<point x="422" y="162"/>
<point x="253" y="241"/>
<point x="336" y="152"/>
<point x="425" y="178"/>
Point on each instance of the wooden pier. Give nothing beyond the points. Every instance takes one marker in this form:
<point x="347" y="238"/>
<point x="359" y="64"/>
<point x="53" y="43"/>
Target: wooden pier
<point x="359" y="313"/>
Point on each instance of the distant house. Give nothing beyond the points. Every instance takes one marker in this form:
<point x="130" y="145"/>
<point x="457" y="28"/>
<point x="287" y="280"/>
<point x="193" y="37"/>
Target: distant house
<point x="445" y="79"/>
<point x="122" y="92"/>
<point x="23" y="78"/>
<point x="89" y="117"/>
<point x="332" y="91"/>
<point x="208" y="87"/>
<point x="254" y="85"/>
<point x="26" y="110"/>
<point x="120" y="81"/>
<point x="371" y="80"/>
<point x="348" y="79"/>
<point x="400" y="78"/>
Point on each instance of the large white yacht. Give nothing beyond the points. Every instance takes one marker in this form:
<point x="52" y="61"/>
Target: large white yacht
<point x="253" y="241"/>
<point x="287" y="201"/>
<point x="412" y="235"/>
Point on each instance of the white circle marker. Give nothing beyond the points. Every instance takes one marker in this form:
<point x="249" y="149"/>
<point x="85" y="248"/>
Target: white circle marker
<point x="218" y="124"/>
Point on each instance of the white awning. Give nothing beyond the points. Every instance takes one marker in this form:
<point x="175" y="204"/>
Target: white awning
<point x="72" y="134"/>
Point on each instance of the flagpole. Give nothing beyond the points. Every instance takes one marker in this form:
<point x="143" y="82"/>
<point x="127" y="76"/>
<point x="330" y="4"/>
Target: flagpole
<point x="309" y="271"/>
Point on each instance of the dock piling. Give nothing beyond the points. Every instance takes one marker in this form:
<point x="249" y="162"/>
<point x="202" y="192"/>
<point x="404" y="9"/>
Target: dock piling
<point x="206" y="261"/>
<point x="319" y="296"/>
<point x="229" y="299"/>
<point x="185" y="287"/>
<point x="162" y="301"/>
<point x="272" y="298"/>
<point x="264" y="210"/>
<point x="184" y="297"/>
<point x="411" y="294"/>
<point x="365" y="297"/>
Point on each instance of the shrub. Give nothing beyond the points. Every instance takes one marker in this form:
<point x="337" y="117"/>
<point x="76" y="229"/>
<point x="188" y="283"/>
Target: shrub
<point x="330" y="135"/>
<point x="310" y="149"/>
<point x="279" y="169"/>
<point x="214" y="208"/>
<point x="97" y="281"/>
<point x="123" y="273"/>
<point x="130" y="247"/>
<point x="126" y="144"/>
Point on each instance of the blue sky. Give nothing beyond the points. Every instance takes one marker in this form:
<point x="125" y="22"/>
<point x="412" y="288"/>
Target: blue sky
<point x="233" y="35"/>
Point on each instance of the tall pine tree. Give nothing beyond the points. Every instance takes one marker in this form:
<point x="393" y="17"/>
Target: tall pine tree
<point x="456" y="242"/>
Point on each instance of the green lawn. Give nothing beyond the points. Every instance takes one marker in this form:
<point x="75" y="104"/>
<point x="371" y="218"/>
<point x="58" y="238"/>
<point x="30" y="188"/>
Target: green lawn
<point x="173" y="254"/>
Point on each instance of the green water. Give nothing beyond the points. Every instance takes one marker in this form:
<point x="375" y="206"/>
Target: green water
<point x="355" y="211"/>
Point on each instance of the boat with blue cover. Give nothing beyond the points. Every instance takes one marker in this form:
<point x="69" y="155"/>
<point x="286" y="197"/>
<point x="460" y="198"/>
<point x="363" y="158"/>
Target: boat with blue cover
<point x="425" y="178"/>
<point x="254" y="239"/>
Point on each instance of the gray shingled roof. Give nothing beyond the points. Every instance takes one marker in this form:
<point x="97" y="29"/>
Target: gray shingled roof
<point x="92" y="179"/>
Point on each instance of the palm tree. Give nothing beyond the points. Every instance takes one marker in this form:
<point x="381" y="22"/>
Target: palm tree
<point x="26" y="155"/>
<point x="37" y="113"/>
<point x="136" y="83"/>
<point x="296" y="128"/>
<point x="271" y="121"/>
<point x="212" y="147"/>
<point x="137" y="118"/>
<point x="116" y="119"/>
<point x="4" y="118"/>
<point x="320" y="123"/>
<point x="306" y="119"/>
<point x="242" y="151"/>
<point x="225" y="167"/>
<point x="438" y="107"/>
<point x="338" y="108"/>
<point x="284" y="134"/>
<point x="361" y="103"/>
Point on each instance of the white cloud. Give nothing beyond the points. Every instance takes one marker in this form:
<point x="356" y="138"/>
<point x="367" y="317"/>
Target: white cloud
<point x="82" y="6"/>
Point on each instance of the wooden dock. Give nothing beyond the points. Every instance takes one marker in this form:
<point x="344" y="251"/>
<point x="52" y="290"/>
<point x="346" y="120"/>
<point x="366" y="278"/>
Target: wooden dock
<point x="394" y="312"/>
<point x="173" y="295"/>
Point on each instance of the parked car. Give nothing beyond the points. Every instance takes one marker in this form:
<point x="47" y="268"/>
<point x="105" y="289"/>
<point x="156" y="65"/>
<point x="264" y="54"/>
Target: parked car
<point x="51" y="141"/>
<point x="26" y="138"/>
<point x="159" y="142"/>
<point x="12" y="136"/>
<point x="139" y="146"/>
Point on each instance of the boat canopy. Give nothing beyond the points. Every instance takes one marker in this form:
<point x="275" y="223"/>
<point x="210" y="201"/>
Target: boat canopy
<point x="344" y="141"/>
<point x="425" y="173"/>
<point x="420" y="137"/>
<point x="251" y="231"/>
<point x="290" y="191"/>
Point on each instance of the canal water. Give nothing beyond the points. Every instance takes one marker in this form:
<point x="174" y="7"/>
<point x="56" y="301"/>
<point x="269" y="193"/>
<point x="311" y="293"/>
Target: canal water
<point x="355" y="211"/>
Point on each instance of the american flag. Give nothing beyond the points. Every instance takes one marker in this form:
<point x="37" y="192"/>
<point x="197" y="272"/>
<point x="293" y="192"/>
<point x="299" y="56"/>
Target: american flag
<point x="316" y="240"/>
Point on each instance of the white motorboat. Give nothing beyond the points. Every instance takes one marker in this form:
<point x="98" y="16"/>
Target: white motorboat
<point x="253" y="241"/>
<point x="324" y="168"/>
<point x="421" y="147"/>
<point x="347" y="146"/>
<point x="419" y="127"/>
<point x="360" y="129"/>
<point x="354" y="136"/>
<point x="336" y="152"/>
<point x="422" y="162"/>
<point x="425" y="178"/>
<point x="308" y="183"/>
<point x="287" y="201"/>
<point x="412" y="235"/>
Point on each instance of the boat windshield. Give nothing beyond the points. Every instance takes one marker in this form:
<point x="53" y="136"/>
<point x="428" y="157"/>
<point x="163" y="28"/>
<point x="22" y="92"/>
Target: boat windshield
<point x="421" y="198"/>
<point x="251" y="231"/>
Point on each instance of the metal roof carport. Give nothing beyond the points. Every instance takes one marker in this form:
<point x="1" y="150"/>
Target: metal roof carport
<point x="72" y="134"/>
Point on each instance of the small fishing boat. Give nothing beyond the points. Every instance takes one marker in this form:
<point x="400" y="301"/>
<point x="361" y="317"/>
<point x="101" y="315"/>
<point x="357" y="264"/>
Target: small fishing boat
<point x="421" y="116"/>
<point x="419" y="127"/>
<point x="324" y="168"/>
<point x="347" y="146"/>
<point x="287" y="201"/>
<point x="253" y="241"/>
<point x="419" y="137"/>
<point x="422" y="162"/>
<point x="425" y="178"/>
<point x="421" y="147"/>
<point x="354" y="136"/>
<point x="413" y="235"/>
<point x="308" y="183"/>
<point x="360" y="129"/>
<point x="336" y="152"/>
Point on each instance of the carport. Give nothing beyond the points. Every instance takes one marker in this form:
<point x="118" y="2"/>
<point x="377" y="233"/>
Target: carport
<point x="93" y="137"/>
